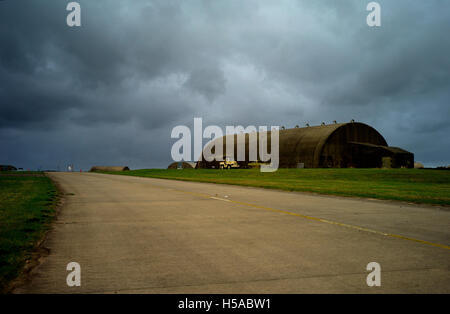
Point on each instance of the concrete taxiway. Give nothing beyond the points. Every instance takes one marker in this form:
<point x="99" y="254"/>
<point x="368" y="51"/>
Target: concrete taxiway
<point x="141" y="235"/>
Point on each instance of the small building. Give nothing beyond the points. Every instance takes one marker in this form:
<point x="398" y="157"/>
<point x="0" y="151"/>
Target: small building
<point x="7" y="168"/>
<point x="182" y="165"/>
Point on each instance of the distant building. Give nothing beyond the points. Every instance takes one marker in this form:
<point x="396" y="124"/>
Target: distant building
<point x="7" y="168"/>
<point x="182" y="165"/>
<point x="337" y="145"/>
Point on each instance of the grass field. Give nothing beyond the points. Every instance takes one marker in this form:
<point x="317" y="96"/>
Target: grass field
<point x="27" y="206"/>
<point x="412" y="185"/>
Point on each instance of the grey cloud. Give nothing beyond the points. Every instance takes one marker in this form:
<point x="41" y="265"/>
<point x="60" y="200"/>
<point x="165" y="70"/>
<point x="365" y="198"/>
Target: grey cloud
<point x="115" y="87"/>
<point x="210" y="82"/>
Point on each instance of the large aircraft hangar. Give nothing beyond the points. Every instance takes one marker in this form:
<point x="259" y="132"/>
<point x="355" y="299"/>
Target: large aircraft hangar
<point x="337" y="145"/>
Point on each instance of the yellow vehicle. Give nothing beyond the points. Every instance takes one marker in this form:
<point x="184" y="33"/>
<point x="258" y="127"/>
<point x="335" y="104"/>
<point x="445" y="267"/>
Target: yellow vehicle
<point x="228" y="164"/>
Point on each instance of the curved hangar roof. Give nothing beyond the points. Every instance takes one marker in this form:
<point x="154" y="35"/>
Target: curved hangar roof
<point x="314" y="145"/>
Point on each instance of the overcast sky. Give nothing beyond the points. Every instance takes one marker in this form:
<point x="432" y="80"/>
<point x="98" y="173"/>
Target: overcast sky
<point x="110" y="92"/>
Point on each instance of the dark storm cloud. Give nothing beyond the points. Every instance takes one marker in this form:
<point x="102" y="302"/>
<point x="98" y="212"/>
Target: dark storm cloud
<point x="209" y="82"/>
<point x="111" y="90"/>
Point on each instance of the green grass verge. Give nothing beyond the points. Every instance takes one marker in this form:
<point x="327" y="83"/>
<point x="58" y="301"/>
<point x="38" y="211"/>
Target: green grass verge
<point x="27" y="206"/>
<point x="411" y="185"/>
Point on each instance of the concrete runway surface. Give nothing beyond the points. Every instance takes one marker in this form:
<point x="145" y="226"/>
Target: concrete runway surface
<point x="141" y="235"/>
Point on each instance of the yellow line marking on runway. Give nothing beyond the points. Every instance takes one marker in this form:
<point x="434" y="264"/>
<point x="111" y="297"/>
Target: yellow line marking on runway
<point x="443" y="246"/>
